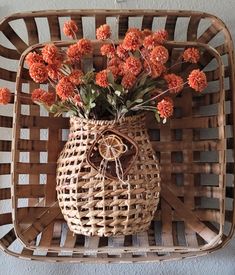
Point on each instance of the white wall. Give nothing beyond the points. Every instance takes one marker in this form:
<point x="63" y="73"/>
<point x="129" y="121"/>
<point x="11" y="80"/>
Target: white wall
<point x="222" y="262"/>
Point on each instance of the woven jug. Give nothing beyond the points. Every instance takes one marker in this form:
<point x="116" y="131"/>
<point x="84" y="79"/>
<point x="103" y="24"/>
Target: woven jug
<point x="94" y="203"/>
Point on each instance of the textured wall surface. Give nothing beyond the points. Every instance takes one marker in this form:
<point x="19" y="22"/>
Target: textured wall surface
<point x="221" y="262"/>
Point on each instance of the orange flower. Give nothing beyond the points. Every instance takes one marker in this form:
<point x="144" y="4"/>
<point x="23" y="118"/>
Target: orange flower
<point x="50" y="54"/>
<point x="70" y="28"/>
<point x="132" y="41"/>
<point x="42" y="96"/>
<point x="159" y="55"/>
<point x="154" y="70"/>
<point x="191" y="55"/>
<point x="53" y="72"/>
<point x="38" y="72"/>
<point x="115" y="61"/>
<point x="121" y="52"/>
<point x="128" y="81"/>
<point x="48" y="98"/>
<point x="197" y="80"/>
<point x="74" y="54"/>
<point x="76" y="77"/>
<point x="84" y="46"/>
<point x="33" y="57"/>
<point x="133" y="65"/>
<point x="150" y="42"/>
<point x="5" y="96"/>
<point x="103" y="32"/>
<point x="108" y="50"/>
<point x="175" y="83"/>
<point x="102" y="79"/>
<point x="65" y="88"/>
<point x="37" y="95"/>
<point x="165" y="107"/>
<point x="161" y="36"/>
<point x="121" y="68"/>
<point x="146" y="32"/>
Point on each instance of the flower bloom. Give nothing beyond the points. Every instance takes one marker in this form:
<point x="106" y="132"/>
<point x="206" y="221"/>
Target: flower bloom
<point x="159" y="55"/>
<point x="150" y="42"/>
<point x="53" y="71"/>
<point x="5" y="96"/>
<point x="65" y="88"/>
<point x="121" y="52"/>
<point x="84" y="46"/>
<point x="175" y="83"/>
<point x="74" y="54"/>
<point x="101" y="79"/>
<point x="128" y="81"/>
<point x="103" y="32"/>
<point x="38" y="72"/>
<point x="33" y="57"/>
<point x="197" y="80"/>
<point x="108" y="50"/>
<point x="70" y="28"/>
<point x="191" y="55"/>
<point x="154" y="70"/>
<point x="161" y="36"/>
<point x="50" y="54"/>
<point x="37" y="94"/>
<point x="132" y="41"/>
<point x="48" y="98"/>
<point x="42" y="96"/>
<point x="115" y="61"/>
<point x="76" y="77"/>
<point x="133" y="65"/>
<point x="165" y="107"/>
<point x="146" y="32"/>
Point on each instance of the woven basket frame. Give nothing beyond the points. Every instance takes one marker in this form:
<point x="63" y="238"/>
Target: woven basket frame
<point x="168" y="145"/>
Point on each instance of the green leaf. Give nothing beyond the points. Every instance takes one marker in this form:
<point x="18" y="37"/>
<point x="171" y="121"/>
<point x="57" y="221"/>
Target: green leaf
<point x="157" y="117"/>
<point x="110" y="78"/>
<point x="139" y="100"/>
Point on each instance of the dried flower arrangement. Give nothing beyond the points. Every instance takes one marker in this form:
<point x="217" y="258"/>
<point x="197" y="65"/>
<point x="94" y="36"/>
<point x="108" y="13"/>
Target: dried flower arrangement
<point x="136" y="77"/>
<point x="108" y="162"/>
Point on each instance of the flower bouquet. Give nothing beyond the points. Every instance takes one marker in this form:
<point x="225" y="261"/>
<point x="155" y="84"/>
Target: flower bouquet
<point x="108" y="180"/>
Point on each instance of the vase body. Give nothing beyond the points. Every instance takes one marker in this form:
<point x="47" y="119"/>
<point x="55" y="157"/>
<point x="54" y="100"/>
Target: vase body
<point x="110" y="206"/>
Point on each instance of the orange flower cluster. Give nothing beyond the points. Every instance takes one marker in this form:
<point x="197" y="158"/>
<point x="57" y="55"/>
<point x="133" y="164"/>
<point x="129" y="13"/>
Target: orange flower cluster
<point x="5" y="96"/>
<point x="191" y="55"/>
<point x="103" y="32"/>
<point x="165" y="107"/>
<point x="65" y="88"/>
<point x="197" y="80"/>
<point x="42" y="96"/>
<point x="135" y="67"/>
<point x="70" y="28"/>
<point x="175" y="83"/>
<point x="102" y="79"/>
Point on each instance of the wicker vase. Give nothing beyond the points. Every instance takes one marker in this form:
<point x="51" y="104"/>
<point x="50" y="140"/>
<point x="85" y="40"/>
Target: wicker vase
<point x="93" y="204"/>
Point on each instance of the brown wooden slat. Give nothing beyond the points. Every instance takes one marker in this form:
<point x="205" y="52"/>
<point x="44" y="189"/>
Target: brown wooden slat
<point x="9" y="238"/>
<point x="170" y="26"/>
<point x="30" y="191"/>
<point x="5" y="193"/>
<point x="32" y="30"/>
<point x="192" y="220"/>
<point x="78" y="19"/>
<point x="9" y="53"/>
<point x="5" y="218"/>
<point x="193" y="27"/>
<point x="122" y="25"/>
<point x="5" y="146"/>
<point x="35" y="168"/>
<point x="54" y="27"/>
<point x="14" y="38"/>
<point x="147" y="22"/>
<point x="41" y="223"/>
<point x="5" y="168"/>
<point x="43" y="122"/>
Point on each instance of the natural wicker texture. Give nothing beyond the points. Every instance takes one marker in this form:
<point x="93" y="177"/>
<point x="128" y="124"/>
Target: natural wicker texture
<point x="94" y="205"/>
<point x="196" y="179"/>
